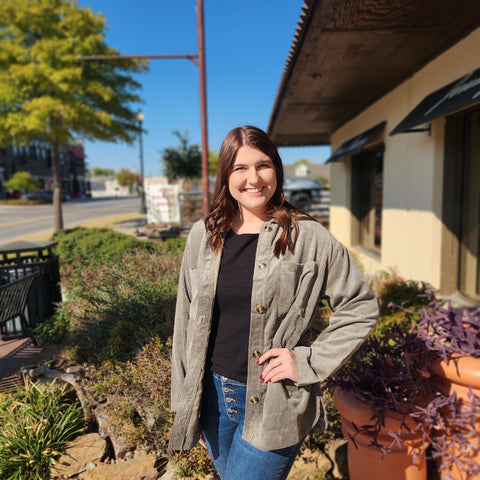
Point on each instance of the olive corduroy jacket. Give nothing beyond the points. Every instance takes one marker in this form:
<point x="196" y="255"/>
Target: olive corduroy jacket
<point x="285" y="295"/>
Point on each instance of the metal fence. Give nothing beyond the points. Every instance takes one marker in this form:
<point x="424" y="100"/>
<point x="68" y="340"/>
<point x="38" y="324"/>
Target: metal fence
<point x="45" y="292"/>
<point x="191" y="208"/>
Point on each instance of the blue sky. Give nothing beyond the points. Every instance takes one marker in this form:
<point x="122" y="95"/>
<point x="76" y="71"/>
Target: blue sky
<point x="247" y="44"/>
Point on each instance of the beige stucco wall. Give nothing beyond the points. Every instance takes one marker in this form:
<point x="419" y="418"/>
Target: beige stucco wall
<point x="413" y="172"/>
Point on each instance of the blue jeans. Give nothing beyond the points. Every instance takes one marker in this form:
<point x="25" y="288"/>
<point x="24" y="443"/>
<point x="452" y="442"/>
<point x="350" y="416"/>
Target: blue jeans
<point x="222" y="417"/>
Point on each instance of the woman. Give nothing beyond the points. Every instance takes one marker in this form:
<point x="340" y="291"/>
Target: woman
<point x="245" y="378"/>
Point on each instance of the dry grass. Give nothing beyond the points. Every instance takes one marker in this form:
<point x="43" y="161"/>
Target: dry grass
<point x="111" y="221"/>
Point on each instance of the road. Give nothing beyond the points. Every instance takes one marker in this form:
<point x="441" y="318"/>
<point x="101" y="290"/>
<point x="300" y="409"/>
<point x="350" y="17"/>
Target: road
<point x="18" y="222"/>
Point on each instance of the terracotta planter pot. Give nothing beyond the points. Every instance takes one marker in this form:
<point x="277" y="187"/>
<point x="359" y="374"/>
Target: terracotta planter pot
<point x="366" y="462"/>
<point x="458" y="376"/>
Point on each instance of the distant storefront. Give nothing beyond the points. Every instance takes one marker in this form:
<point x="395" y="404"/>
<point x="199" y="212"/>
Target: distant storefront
<point x="36" y="159"/>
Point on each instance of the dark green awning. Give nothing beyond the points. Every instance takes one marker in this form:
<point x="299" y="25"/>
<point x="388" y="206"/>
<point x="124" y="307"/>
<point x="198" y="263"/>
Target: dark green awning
<point x="356" y="144"/>
<point x="461" y="93"/>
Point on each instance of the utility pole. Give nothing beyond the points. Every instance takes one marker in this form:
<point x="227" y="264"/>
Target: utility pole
<point x="199" y="60"/>
<point x="203" y="105"/>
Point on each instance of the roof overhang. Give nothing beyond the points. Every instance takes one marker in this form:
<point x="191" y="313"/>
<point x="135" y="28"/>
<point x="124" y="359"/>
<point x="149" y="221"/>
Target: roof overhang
<point x="347" y="55"/>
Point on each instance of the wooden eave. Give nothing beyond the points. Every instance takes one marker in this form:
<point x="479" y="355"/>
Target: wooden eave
<point x="346" y="54"/>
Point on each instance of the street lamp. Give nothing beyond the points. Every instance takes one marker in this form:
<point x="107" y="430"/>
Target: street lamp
<point x="143" y="207"/>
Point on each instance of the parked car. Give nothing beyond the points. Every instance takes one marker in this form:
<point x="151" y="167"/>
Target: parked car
<point x="45" y="195"/>
<point x="302" y="192"/>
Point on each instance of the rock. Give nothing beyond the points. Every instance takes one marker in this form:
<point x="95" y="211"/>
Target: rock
<point x="108" y="427"/>
<point x="84" y="450"/>
<point x="138" y="468"/>
<point x="168" y="472"/>
<point x="310" y="465"/>
<point x="337" y="452"/>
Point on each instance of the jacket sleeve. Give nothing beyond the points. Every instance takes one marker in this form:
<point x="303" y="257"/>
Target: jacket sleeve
<point x="182" y="313"/>
<point x="355" y="314"/>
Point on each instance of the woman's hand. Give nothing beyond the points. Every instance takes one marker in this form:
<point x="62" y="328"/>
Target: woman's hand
<point x="201" y="441"/>
<point x="282" y="365"/>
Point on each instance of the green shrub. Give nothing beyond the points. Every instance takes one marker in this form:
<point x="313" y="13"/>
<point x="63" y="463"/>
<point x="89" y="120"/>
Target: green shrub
<point x="116" y="308"/>
<point x="175" y="246"/>
<point x="97" y="246"/>
<point x="36" y="423"/>
<point x="54" y="329"/>
<point x="400" y="301"/>
<point x="411" y="294"/>
<point x="141" y="387"/>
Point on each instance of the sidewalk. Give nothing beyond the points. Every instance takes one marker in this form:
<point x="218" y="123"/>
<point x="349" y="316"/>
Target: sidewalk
<point x="18" y="353"/>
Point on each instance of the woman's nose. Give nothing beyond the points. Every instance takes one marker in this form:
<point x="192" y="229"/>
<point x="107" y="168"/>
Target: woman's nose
<point x="253" y="175"/>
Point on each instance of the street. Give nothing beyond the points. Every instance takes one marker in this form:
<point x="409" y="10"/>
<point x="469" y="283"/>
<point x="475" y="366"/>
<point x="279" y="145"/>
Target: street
<point x="18" y="222"/>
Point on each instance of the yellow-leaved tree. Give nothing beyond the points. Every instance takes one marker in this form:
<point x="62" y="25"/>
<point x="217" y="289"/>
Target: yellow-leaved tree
<point x="47" y="91"/>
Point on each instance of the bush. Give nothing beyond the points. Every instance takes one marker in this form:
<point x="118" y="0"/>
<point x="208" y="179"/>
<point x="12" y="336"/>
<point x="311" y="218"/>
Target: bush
<point x="392" y="289"/>
<point x="53" y="329"/>
<point x="175" y="246"/>
<point x="400" y="302"/>
<point x="115" y="309"/>
<point x="142" y="391"/>
<point x="36" y="423"/>
<point x="79" y="247"/>
<point x="142" y="387"/>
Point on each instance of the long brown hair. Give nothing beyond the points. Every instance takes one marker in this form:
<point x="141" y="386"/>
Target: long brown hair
<point x="224" y="207"/>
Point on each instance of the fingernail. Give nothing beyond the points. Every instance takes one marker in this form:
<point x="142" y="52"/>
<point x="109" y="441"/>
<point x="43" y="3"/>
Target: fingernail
<point x="257" y="362"/>
<point x="261" y="378"/>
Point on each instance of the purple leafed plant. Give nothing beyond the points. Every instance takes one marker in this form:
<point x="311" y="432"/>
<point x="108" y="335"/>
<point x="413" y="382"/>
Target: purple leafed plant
<point x="449" y="331"/>
<point x="391" y="372"/>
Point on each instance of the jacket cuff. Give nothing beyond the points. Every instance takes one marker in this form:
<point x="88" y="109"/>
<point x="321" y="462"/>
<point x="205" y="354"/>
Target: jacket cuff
<point x="306" y="374"/>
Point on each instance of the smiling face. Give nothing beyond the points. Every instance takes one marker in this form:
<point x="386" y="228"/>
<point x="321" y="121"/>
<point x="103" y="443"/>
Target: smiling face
<point x="252" y="182"/>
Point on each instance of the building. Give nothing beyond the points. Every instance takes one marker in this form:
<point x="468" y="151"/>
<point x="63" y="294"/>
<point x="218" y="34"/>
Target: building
<point x="394" y="88"/>
<point x="308" y="169"/>
<point x="36" y="159"/>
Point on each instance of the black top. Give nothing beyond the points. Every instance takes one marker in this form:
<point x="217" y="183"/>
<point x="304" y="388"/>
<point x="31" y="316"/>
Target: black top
<point x="228" y="348"/>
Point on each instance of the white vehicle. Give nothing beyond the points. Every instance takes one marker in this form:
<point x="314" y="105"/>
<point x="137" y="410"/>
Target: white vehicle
<point x="302" y="192"/>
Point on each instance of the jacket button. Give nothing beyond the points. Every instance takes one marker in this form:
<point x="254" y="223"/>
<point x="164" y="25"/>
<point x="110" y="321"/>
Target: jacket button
<point x="268" y="228"/>
<point x="262" y="266"/>
<point x="256" y="354"/>
<point x="253" y="400"/>
<point x="260" y="308"/>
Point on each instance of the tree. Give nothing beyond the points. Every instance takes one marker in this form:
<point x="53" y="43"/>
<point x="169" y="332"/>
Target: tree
<point x="302" y="161"/>
<point x="212" y="162"/>
<point x="22" y="182"/>
<point x="184" y="161"/>
<point x="101" y="171"/>
<point x="126" y="178"/>
<point x="46" y="91"/>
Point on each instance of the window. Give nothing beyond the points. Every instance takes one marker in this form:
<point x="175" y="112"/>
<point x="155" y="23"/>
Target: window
<point x="470" y="234"/>
<point x="461" y="205"/>
<point x="367" y="193"/>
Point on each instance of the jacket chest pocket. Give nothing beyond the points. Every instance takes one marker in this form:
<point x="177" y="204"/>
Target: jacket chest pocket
<point x="296" y="281"/>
